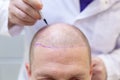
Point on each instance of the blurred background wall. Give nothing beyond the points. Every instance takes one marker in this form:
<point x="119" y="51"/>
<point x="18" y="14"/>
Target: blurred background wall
<point x="11" y="56"/>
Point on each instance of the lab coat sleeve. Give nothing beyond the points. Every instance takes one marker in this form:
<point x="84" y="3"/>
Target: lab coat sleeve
<point x="4" y="17"/>
<point x="15" y="30"/>
<point x="112" y="63"/>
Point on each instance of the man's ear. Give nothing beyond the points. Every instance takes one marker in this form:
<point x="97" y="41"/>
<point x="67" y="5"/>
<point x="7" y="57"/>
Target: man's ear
<point x="91" y="71"/>
<point x="28" y="69"/>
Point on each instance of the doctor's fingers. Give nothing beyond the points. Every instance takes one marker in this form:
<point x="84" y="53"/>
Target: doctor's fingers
<point x="18" y="21"/>
<point x="36" y="4"/>
<point x="27" y="9"/>
<point x="21" y="15"/>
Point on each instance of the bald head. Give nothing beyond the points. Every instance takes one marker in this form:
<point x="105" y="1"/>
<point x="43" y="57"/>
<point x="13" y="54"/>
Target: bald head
<point x="59" y="36"/>
<point x="59" y="52"/>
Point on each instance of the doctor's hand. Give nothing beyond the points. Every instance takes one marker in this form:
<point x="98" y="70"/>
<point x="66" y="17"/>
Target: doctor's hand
<point x="99" y="70"/>
<point x="24" y="12"/>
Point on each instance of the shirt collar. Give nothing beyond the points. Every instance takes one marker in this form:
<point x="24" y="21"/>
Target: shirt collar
<point x="84" y="4"/>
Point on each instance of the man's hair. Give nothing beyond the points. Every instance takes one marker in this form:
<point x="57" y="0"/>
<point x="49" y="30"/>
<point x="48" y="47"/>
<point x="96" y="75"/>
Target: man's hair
<point x="59" y="35"/>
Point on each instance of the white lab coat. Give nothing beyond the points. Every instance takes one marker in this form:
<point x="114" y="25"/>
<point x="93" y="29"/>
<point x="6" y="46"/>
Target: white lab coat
<point x="100" y="22"/>
<point x="3" y="16"/>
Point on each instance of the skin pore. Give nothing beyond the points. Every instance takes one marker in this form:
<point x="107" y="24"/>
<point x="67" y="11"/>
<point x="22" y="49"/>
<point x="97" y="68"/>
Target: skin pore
<point x="59" y="52"/>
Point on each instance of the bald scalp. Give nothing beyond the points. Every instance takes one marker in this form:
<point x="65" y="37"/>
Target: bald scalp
<point x="58" y="35"/>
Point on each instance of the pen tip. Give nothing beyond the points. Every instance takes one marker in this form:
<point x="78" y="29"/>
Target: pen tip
<point x="45" y="21"/>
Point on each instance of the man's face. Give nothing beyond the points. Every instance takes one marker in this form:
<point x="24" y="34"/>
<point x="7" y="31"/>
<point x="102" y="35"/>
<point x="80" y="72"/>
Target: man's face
<point x="60" y="64"/>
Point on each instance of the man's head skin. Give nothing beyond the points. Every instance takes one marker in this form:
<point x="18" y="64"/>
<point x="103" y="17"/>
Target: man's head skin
<point x="59" y="52"/>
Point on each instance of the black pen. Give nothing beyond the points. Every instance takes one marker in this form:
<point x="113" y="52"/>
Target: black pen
<point x="43" y="17"/>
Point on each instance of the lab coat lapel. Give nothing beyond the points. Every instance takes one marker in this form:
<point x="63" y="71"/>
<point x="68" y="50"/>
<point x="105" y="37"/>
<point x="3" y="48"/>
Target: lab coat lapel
<point x="95" y="7"/>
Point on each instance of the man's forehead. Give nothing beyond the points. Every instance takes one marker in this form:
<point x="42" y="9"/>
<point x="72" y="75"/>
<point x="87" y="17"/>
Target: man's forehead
<point x="58" y="69"/>
<point x="61" y="55"/>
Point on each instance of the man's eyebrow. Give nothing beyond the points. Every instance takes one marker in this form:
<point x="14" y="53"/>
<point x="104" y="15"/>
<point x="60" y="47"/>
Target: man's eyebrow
<point x="50" y="76"/>
<point x="44" y="75"/>
<point x="78" y="75"/>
